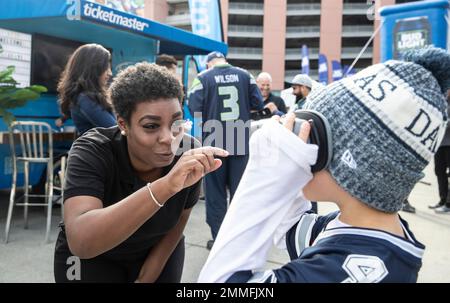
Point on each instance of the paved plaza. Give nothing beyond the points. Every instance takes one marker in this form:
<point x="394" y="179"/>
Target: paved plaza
<point x="27" y="259"/>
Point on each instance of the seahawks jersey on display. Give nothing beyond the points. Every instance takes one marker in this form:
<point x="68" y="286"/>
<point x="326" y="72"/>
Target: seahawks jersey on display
<point x="225" y="95"/>
<point x="323" y="251"/>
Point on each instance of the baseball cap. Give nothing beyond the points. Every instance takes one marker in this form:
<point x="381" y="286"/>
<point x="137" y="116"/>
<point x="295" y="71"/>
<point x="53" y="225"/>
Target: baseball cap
<point x="302" y="79"/>
<point x="214" y="55"/>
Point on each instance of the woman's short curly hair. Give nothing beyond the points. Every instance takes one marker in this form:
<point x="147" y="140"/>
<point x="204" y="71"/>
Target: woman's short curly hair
<point x="142" y="82"/>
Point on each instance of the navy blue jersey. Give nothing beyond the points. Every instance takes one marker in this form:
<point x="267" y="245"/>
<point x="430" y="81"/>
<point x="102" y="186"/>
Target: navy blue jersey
<point x="343" y="254"/>
<point x="225" y="94"/>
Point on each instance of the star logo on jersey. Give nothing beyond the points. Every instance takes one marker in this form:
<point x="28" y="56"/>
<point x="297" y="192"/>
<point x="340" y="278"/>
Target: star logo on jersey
<point x="364" y="269"/>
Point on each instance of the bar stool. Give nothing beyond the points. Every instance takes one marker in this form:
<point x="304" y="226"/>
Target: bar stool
<point x="35" y="145"/>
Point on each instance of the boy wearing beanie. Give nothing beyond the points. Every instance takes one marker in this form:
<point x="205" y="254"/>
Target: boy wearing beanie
<point x="386" y="123"/>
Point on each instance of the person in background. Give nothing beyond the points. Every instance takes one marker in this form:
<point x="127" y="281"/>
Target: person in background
<point x="441" y="169"/>
<point x="168" y="62"/>
<point x="301" y="85"/>
<point x="274" y="103"/>
<point x="224" y="95"/>
<point x="130" y="189"/>
<point x="83" y="88"/>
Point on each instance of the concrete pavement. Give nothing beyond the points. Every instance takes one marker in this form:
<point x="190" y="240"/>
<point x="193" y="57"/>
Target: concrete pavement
<point x="27" y="259"/>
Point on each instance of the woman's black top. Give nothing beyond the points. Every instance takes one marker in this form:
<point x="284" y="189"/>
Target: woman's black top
<point x="99" y="166"/>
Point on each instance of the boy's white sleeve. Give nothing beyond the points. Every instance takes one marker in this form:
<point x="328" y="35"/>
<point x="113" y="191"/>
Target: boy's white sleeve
<point x="279" y="167"/>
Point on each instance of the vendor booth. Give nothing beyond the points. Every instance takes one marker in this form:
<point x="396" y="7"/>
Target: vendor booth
<point x="38" y="37"/>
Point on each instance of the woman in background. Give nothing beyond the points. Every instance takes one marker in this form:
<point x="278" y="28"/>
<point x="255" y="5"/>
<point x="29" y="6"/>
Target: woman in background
<point x="83" y="88"/>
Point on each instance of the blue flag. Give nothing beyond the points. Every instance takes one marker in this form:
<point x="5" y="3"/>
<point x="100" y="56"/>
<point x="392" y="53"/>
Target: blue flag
<point x="345" y="70"/>
<point x="323" y="69"/>
<point x="337" y="70"/>
<point x="348" y="72"/>
<point x="205" y="20"/>
<point x="305" y="60"/>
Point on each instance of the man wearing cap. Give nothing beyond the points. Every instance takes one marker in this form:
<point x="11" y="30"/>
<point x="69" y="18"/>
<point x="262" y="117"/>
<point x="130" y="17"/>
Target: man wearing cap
<point x="301" y="85"/>
<point x="223" y="96"/>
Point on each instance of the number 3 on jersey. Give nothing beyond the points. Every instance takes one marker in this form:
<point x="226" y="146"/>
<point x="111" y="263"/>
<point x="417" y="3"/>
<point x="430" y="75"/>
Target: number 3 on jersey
<point x="231" y="100"/>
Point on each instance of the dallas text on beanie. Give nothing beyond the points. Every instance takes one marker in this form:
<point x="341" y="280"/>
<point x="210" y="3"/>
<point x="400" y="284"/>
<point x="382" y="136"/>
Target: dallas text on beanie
<point x="387" y="122"/>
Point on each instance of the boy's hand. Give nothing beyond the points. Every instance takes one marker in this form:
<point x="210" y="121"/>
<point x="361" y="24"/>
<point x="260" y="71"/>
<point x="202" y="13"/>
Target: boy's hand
<point x="288" y="122"/>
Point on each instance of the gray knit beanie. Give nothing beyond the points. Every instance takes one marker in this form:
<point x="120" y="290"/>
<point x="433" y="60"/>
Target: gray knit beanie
<point x="387" y="122"/>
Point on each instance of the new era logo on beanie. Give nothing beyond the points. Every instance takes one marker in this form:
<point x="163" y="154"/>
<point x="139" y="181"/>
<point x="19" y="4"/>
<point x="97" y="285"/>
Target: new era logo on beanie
<point x="387" y="122"/>
<point x="347" y="158"/>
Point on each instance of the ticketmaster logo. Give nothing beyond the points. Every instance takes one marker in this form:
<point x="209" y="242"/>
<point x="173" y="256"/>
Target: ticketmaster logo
<point x="100" y="13"/>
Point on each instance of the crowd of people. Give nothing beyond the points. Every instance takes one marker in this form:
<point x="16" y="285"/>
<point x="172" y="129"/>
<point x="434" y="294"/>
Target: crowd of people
<point x="134" y="175"/>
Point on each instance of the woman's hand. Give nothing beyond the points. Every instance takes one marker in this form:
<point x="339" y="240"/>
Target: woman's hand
<point x="193" y="165"/>
<point x="288" y="122"/>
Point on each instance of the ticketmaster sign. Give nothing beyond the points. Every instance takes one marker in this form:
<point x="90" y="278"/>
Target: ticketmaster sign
<point x="78" y="9"/>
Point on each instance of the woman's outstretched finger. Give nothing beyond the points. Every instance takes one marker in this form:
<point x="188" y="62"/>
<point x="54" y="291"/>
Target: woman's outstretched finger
<point x="208" y="150"/>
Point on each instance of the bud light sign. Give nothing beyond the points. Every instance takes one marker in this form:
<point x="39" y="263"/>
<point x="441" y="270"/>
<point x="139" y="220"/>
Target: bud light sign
<point x="411" y="33"/>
